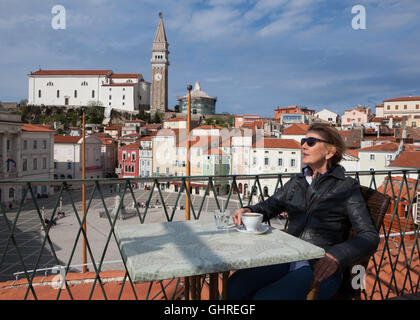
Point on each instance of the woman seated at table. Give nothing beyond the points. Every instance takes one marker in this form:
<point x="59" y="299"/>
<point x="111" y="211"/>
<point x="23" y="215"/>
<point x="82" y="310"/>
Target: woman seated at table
<point x="322" y="205"/>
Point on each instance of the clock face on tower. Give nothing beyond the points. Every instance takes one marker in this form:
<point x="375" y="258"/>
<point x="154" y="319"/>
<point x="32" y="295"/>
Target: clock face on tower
<point x="158" y="76"/>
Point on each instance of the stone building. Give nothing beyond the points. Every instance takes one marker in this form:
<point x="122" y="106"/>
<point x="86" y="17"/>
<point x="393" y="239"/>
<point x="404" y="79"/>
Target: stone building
<point x="201" y="102"/>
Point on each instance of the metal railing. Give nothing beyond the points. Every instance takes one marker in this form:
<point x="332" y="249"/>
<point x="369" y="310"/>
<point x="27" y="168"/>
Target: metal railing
<point x="39" y="234"/>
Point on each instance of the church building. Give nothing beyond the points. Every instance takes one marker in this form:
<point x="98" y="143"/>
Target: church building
<point x="122" y="91"/>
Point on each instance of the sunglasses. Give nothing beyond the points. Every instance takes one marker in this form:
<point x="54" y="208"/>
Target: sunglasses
<point x="311" y="141"/>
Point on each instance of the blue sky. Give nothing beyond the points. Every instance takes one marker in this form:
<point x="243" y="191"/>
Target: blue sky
<point x="254" y="55"/>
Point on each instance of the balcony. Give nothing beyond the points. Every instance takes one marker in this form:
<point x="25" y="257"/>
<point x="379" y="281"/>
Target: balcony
<point x="32" y="257"/>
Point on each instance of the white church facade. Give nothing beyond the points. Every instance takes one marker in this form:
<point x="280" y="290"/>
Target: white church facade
<point x="121" y="91"/>
<point x="126" y="92"/>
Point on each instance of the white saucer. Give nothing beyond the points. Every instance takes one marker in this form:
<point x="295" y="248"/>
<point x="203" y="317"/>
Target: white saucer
<point x="261" y="229"/>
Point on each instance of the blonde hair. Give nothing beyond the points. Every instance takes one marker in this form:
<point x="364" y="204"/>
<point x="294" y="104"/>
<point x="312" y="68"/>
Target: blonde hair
<point x="334" y="138"/>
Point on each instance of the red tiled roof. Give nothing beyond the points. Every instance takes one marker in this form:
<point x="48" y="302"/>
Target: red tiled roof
<point x="146" y="138"/>
<point x="125" y="75"/>
<point x="396" y="185"/>
<point x="36" y="128"/>
<point x="70" y="72"/>
<point x="114" y="127"/>
<point x="382" y="147"/>
<point x="344" y="133"/>
<point x="206" y="127"/>
<point x="296" y="129"/>
<point x="277" y="143"/>
<point x="126" y="84"/>
<point x="66" y="139"/>
<point x="353" y="153"/>
<point x="175" y="119"/>
<point x="135" y="145"/>
<point x="215" y="152"/>
<point x="407" y="159"/>
<point x="403" y="99"/>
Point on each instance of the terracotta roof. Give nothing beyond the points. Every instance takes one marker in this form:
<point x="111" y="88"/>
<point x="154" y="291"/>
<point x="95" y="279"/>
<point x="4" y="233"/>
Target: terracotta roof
<point x="126" y="84"/>
<point x="146" y="138"/>
<point x="382" y="147"/>
<point x="353" y="153"/>
<point x="114" y="127"/>
<point x="135" y="145"/>
<point x="36" y="128"/>
<point x="125" y="75"/>
<point x="296" y="129"/>
<point x="407" y="159"/>
<point x="153" y="126"/>
<point x="344" y="133"/>
<point x="277" y="143"/>
<point x="403" y="99"/>
<point x="175" y="119"/>
<point x="70" y="72"/>
<point x="66" y="139"/>
<point x="215" y="152"/>
<point x="206" y="127"/>
<point x="396" y="185"/>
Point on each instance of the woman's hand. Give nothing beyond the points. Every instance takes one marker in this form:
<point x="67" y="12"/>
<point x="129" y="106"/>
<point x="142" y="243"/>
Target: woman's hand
<point x="325" y="267"/>
<point x="237" y="216"/>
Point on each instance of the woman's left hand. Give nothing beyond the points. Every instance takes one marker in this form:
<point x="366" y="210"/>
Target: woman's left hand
<point x="325" y="267"/>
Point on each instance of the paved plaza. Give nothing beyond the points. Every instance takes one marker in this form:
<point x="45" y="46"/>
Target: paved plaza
<point x="24" y="251"/>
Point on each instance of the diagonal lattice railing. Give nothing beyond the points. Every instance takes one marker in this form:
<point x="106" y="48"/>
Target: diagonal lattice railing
<point x="31" y="244"/>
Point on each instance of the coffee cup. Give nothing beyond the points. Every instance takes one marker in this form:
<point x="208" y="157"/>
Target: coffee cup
<point x="252" y="220"/>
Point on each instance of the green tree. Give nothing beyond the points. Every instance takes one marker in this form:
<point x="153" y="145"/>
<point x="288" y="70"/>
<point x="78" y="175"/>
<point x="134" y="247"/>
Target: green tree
<point x="157" y="118"/>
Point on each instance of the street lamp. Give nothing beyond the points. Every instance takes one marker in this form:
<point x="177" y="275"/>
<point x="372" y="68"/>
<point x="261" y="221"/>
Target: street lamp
<point x="85" y="269"/>
<point x="189" y="281"/>
<point x="188" y="172"/>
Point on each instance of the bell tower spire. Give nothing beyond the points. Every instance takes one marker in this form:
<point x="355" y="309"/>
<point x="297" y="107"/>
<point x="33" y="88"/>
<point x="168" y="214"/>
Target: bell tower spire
<point x="160" y="64"/>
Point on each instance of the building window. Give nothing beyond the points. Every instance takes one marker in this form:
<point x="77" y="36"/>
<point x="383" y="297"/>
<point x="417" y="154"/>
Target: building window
<point x="34" y="164"/>
<point x="133" y="157"/>
<point x="372" y="157"/>
<point x="266" y="161"/>
<point x="417" y="106"/>
<point x="25" y="165"/>
<point x="75" y="93"/>
<point x="293" y="162"/>
<point x="93" y="93"/>
<point x="84" y="83"/>
<point x="388" y="107"/>
<point x="110" y="97"/>
<point x="280" y="162"/>
<point x="35" y="145"/>
<point x="123" y="97"/>
<point x="25" y="144"/>
<point x="50" y="84"/>
<point x="44" y="144"/>
<point x="55" y="164"/>
<point x="39" y="93"/>
<point x="58" y="93"/>
<point x="11" y="193"/>
<point x="396" y="107"/>
<point x="44" y="163"/>
<point x="124" y="156"/>
<point x="405" y="107"/>
<point x="68" y="165"/>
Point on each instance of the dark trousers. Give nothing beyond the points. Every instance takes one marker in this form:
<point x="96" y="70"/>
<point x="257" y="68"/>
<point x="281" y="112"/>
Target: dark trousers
<point x="276" y="282"/>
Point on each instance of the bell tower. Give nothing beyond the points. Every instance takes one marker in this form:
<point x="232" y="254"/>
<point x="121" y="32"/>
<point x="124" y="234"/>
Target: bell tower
<point x="160" y="64"/>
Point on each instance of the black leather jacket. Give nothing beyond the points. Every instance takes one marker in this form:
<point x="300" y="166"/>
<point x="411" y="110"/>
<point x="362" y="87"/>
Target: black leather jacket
<point x="323" y="213"/>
